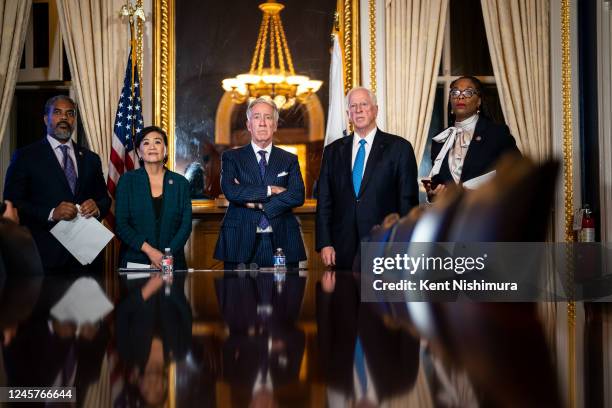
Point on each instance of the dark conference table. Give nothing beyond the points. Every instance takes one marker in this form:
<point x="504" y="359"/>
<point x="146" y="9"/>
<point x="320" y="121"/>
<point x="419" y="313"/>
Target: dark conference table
<point x="260" y="339"/>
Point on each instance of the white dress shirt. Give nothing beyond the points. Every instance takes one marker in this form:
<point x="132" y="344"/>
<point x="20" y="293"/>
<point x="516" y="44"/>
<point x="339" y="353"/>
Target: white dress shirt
<point x="59" y="155"/>
<point x="268" y="151"/>
<point x="256" y="149"/>
<point x="456" y="156"/>
<point x="369" y="138"/>
<point x="55" y="145"/>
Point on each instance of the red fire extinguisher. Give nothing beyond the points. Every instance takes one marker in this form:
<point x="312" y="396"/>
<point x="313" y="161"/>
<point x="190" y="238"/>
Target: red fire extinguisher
<point x="587" y="231"/>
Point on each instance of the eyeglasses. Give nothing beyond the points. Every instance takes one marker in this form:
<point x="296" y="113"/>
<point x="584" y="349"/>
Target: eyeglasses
<point x="467" y="93"/>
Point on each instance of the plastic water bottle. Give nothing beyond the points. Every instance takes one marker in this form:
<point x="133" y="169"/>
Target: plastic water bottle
<point x="167" y="270"/>
<point x="279" y="279"/>
<point x="167" y="262"/>
<point x="279" y="260"/>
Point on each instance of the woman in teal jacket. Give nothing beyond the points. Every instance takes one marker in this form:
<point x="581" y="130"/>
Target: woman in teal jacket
<point x="153" y="206"/>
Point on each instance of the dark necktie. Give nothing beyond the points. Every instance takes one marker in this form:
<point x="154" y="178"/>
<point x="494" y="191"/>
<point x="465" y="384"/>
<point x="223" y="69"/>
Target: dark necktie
<point x="263" y="221"/>
<point x="69" y="169"/>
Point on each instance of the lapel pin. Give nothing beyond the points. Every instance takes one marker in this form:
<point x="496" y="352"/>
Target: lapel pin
<point x="478" y="138"/>
<point x="170" y="181"/>
<point x="80" y="153"/>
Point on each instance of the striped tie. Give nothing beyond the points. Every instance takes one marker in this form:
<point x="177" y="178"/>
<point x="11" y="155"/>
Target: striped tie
<point x="263" y="221"/>
<point x="69" y="169"/>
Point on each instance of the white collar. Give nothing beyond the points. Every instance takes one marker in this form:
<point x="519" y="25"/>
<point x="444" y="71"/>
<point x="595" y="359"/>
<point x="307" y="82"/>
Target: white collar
<point x="369" y="138"/>
<point x="468" y="124"/>
<point x="257" y="149"/>
<point x="56" y="143"/>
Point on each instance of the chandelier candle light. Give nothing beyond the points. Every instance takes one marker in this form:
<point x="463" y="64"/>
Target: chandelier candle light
<point x="279" y="83"/>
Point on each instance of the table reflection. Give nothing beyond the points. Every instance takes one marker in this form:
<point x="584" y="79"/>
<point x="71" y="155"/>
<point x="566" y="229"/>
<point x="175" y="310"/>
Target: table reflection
<point x="150" y="344"/>
<point x="264" y="350"/>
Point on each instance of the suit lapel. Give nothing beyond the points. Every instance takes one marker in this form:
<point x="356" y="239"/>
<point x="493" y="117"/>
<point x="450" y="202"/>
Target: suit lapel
<point x="251" y="161"/>
<point x="274" y="166"/>
<point x="346" y="159"/>
<point x="170" y="193"/>
<point x="54" y="165"/>
<point x="475" y="150"/>
<point x="373" y="159"/>
<point x="78" y="153"/>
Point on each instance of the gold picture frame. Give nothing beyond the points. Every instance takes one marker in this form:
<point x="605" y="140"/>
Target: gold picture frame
<point x="164" y="60"/>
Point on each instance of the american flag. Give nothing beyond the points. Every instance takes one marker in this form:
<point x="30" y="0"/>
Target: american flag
<point x="128" y="123"/>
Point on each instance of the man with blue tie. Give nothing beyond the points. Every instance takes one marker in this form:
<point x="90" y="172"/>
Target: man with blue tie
<point x="263" y="184"/>
<point x="53" y="180"/>
<point x="364" y="177"/>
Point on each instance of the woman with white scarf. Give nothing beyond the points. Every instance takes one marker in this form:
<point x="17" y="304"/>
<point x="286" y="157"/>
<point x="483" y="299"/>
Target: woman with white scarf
<point x="472" y="145"/>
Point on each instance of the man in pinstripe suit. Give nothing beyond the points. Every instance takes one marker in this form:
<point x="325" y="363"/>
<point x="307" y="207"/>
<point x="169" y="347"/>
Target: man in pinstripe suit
<point x="262" y="183"/>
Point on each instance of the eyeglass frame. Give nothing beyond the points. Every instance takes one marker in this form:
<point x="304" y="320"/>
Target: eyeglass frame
<point x="462" y="93"/>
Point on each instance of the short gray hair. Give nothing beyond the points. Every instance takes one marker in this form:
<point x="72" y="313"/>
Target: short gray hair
<point x="51" y="102"/>
<point x="265" y="100"/>
<point x="371" y="94"/>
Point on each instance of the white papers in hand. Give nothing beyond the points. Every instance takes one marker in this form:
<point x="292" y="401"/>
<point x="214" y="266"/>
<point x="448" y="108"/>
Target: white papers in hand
<point x="476" y="182"/>
<point x="84" y="302"/>
<point x="83" y="237"/>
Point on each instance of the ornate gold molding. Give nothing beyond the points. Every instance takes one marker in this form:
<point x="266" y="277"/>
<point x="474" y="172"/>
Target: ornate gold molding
<point x="164" y="61"/>
<point x="372" y="22"/>
<point x="163" y="71"/>
<point x="348" y="11"/>
<point x="566" y="90"/>
<point x="568" y="183"/>
<point x="140" y="42"/>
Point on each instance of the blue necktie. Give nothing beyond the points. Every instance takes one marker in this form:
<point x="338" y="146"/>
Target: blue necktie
<point x="360" y="366"/>
<point x="358" y="166"/>
<point x="263" y="221"/>
<point x="69" y="169"/>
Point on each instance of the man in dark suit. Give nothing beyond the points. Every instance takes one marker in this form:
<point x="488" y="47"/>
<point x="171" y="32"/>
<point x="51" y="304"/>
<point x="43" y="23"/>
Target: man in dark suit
<point x="264" y="350"/>
<point x="47" y="179"/>
<point x="364" y="177"/>
<point x="362" y="357"/>
<point x="262" y="183"/>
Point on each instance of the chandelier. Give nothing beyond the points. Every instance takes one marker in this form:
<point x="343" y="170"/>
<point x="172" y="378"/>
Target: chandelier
<point x="278" y="80"/>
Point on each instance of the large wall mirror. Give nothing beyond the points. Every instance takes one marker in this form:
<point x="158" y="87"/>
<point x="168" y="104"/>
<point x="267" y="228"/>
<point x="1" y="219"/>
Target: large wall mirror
<point x="198" y="44"/>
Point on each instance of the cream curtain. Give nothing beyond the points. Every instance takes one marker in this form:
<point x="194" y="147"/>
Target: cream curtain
<point x="518" y="37"/>
<point x="14" y="16"/>
<point x="414" y="36"/>
<point x="97" y="44"/>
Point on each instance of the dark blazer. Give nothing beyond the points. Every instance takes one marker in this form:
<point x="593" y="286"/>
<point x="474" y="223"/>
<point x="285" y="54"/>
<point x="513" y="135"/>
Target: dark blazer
<point x="239" y="297"/>
<point x="489" y="142"/>
<point x="389" y="185"/>
<point x="236" y="240"/>
<point x="392" y="354"/>
<point x="245" y="355"/>
<point x="138" y="321"/>
<point x="36" y="183"/>
<point x="135" y="217"/>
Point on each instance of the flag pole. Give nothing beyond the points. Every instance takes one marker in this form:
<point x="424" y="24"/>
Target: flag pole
<point x="134" y="62"/>
<point x="136" y="18"/>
